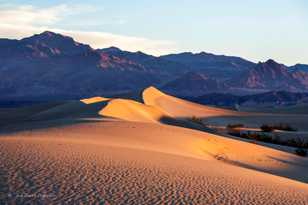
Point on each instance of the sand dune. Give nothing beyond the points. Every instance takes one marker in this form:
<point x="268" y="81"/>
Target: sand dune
<point x="92" y="100"/>
<point x="144" y="163"/>
<point x="124" y="109"/>
<point x="183" y="142"/>
<point x="132" y="111"/>
<point x="120" y="152"/>
<point x="177" y="107"/>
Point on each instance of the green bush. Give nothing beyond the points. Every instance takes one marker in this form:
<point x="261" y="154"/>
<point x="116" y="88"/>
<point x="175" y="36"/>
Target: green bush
<point x="234" y="126"/>
<point x="197" y="120"/>
<point x="257" y="136"/>
<point x="267" y="128"/>
<point x="297" y="142"/>
<point x="285" y="127"/>
<point x="280" y="126"/>
<point x="301" y="152"/>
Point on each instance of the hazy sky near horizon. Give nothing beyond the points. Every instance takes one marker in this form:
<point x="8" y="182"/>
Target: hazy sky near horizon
<point x="253" y="29"/>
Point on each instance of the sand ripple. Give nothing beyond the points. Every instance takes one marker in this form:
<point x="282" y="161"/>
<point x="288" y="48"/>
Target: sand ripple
<point x="49" y="171"/>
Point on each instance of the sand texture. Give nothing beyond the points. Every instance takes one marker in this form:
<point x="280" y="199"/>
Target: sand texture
<point x="118" y="151"/>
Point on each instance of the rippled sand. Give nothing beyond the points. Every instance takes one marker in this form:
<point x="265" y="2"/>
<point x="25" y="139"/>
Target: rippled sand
<point x="67" y="165"/>
<point x="68" y="172"/>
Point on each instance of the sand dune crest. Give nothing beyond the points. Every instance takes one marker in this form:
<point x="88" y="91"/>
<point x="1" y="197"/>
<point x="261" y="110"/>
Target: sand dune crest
<point x="177" y="107"/>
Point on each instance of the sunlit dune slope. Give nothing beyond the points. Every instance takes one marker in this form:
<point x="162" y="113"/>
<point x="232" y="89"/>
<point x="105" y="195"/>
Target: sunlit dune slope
<point x="181" y="108"/>
<point x="182" y="142"/>
<point x="92" y="100"/>
<point x="124" y="109"/>
<point x="99" y="162"/>
<point x="132" y="111"/>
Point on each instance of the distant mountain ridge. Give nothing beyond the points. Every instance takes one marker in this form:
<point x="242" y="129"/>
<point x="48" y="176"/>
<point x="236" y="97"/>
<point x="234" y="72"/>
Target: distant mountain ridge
<point x="270" y="75"/>
<point x="273" y="98"/>
<point x="55" y="66"/>
<point x="214" y="65"/>
<point x="46" y="44"/>
<point x="51" y="65"/>
<point x="148" y="62"/>
<point x="299" y="67"/>
<point x="194" y="84"/>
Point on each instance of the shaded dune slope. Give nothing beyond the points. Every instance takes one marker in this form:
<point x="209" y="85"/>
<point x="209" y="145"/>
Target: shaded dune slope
<point x="73" y="109"/>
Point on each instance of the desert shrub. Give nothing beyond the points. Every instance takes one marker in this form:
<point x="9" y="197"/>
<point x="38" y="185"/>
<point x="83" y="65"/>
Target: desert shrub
<point x="297" y="142"/>
<point x="197" y="120"/>
<point x="264" y="138"/>
<point x="285" y="127"/>
<point x="300" y="143"/>
<point x="233" y="126"/>
<point x="280" y="126"/>
<point x="301" y="152"/>
<point x="234" y="132"/>
<point x="267" y="128"/>
<point x="257" y="136"/>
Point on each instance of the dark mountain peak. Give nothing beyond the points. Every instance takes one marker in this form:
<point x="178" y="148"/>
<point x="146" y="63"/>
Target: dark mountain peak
<point x="184" y="53"/>
<point x="47" y="35"/>
<point x="142" y="54"/>
<point x="49" y="43"/>
<point x="204" y="54"/>
<point x="271" y="65"/>
<point x="111" y="49"/>
<point x="174" y="55"/>
<point x="268" y="63"/>
<point x="193" y="55"/>
<point x="271" y="62"/>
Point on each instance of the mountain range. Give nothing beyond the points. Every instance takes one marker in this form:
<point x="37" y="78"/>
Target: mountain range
<point x="55" y="66"/>
<point x="268" y="99"/>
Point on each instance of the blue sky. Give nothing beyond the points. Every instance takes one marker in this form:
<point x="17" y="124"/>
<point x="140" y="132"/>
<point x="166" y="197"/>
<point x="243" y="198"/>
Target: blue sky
<point x="256" y="30"/>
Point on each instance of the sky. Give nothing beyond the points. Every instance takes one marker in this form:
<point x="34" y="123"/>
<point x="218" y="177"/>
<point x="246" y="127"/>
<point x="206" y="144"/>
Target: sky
<point x="253" y="29"/>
